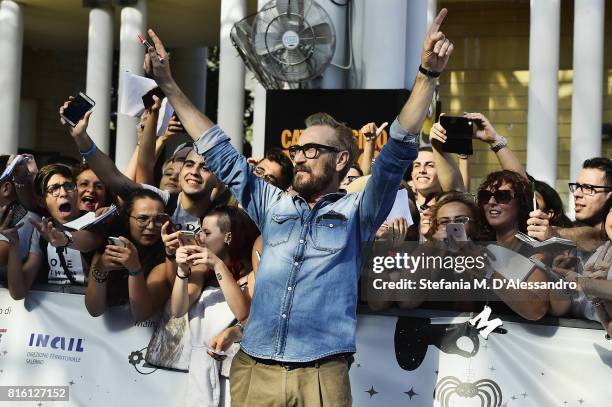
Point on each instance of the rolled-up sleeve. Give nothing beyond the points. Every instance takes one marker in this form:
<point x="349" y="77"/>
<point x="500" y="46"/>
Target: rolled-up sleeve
<point x="232" y="169"/>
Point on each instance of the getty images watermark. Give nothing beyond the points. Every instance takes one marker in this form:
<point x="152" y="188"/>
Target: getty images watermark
<point x="460" y="271"/>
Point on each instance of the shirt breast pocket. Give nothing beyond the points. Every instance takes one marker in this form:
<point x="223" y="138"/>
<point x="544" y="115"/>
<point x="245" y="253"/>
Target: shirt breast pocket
<point x="280" y="229"/>
<point x="330" y="232"/>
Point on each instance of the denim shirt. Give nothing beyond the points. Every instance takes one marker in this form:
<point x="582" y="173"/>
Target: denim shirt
<point x="305" y="298"/>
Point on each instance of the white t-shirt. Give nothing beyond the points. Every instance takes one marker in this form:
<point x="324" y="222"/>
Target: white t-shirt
<point x="75" y="262"/>
<point x="182" y="219"/>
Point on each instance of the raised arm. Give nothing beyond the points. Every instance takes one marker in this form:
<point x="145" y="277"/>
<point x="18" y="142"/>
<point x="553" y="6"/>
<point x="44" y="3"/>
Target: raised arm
<point x="370" y="133"/>
<point x="100" y="163"/>
<point x="157" y="66"/>
<point x="448" y="173"/>
<point x="145" y="163"/>
<point x="401" y="149"/>
<point x="485" y="131"/>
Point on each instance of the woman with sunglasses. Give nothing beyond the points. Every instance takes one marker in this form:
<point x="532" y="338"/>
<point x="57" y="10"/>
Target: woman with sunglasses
<point x="131" y="267"/>
<point x="211" y="288"/>
<point x="505" y="200"/>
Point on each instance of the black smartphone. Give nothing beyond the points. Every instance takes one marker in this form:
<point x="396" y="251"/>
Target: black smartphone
<point x="459" y="132"/>
<point x="17" y="213"/>
<point x="77" y="109"/>
<point x="147" y="99"/>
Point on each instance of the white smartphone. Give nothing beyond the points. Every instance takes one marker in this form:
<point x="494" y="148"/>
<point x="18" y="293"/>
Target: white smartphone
<point x="456" y="231"/>
<point x="115" y="241"/>
<point x="187" y="238"/>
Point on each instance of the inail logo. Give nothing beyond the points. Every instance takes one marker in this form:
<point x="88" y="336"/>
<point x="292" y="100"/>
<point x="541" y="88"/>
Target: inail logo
<point x="56" y="342"/>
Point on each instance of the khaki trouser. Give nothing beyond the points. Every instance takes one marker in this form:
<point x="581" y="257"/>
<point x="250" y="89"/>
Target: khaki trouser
<point x="255" y="384"/>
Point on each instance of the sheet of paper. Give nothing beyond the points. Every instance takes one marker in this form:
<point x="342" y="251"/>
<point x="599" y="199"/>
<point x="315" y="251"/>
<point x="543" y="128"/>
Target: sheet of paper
<point x="165" y="114"/>
<point x="133" y="88"/>
<point x="400" y="207"/>
<point x="90" y="219"/>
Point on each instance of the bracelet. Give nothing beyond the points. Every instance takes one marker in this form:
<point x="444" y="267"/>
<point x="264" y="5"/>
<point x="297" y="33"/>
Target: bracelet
<point x="427" y="72"/>
<point x="170" y="256"/>
<point x="69" y="238"/>
<point x="463" y="156"/>
<point x="182" y="277"/>
<point x="99" y="275"/>
<point x="89" y="152"/>
<point x="239" y="326"/>
<point x="134" y="273"/>
<point x="501" y="143"/>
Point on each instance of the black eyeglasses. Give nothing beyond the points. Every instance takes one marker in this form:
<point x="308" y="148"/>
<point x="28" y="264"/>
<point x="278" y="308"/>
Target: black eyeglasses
<point x="588" y="189"/>
<point x="144" y="220"/>
<point x="261" y="173"/>
<point x="502" y="196"/>
<point x="54" y="189"/>
<point x="311" y="150"/>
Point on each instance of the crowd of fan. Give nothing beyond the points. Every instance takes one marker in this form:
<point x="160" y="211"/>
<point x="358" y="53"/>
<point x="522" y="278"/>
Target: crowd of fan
<point x="153" y="265"/>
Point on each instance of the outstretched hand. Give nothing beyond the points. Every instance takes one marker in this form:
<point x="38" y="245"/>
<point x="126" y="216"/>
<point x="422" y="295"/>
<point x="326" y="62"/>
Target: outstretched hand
<point x="371" y="131"/>
<point x="436" y="47"/>
<point x="80" y="129"/>
<point x="157" y="61"/>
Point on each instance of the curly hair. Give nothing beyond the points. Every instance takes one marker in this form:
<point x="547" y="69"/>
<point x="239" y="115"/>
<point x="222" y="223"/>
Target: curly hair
<point x="477" y="222"/>
<point x="522" y="194"/>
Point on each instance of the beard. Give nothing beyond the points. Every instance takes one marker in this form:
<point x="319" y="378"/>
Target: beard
<point x="314" y="183"/>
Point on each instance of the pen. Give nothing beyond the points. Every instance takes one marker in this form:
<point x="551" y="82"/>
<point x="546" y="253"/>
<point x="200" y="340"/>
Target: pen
<point x="148" y="45"/>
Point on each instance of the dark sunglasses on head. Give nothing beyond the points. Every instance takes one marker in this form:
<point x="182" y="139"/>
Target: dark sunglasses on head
<point x="502" y="196"/>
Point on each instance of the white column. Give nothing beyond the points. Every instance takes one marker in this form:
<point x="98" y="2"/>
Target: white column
<point x="231" y="75"/>
<point x="379" y="39"/>
<point x="543" y="90"/>
<point x="333" y="76"/>
<point x="100" y="73"/>
<point x="417" y="16"/>
<point x="587" y="83"/>
<point x="259" y="112"/>
<point x="131" y="56"/>
<point x="11" y="44"/>
<point x="189" y="67"/>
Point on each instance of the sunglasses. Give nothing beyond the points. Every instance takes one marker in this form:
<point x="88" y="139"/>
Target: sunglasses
<point x="502" y="196"/>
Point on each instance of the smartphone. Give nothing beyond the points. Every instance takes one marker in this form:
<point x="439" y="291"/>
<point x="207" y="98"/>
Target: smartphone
<point x="456" y="231"/>
<point x="77" y="108"/>
<point x="147" y="99"/>
<point x="17" y="213"/>
<point x="459" y="132"/>
<point x="187" y="238"/>
<point x="211" y="350"/>
<point x="115" y="241"/>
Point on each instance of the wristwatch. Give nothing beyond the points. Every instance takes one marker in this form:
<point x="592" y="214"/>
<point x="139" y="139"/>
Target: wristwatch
<point x="501" y="143"/>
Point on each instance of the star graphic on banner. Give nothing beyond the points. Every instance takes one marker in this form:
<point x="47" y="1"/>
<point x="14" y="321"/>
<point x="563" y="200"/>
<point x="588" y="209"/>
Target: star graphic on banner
<point x="71" y="382"/>
<point x="581" y="401"/>
<point x="411" y="393"/>
<point x="371" y="392"/>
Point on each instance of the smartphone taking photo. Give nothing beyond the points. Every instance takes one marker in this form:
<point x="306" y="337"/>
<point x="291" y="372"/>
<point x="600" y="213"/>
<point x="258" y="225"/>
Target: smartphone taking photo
<point x="16" y="211"/>
<point x="459" y="132"/>
<point x="77" y="108"/>
<point x="115" y="241"/>
<point x="187" y="238"/>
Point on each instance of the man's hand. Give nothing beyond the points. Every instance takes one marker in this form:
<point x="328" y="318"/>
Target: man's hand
<point x="484" y="130"/>
<point x="80" y="130"/>
<point x="393" y="231"/>
<point x="538" y="225"/>
<point x="157" y="62"/>
<point x="436" y="47"/>
<point x="565" y="266"/>
<point x="223" y="341"/>
<point x="371" y="131"/>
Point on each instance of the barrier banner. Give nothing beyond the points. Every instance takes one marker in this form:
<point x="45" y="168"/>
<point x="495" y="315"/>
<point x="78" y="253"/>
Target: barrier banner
<point x="49" y="339"/>
<point x="443" y="362"/>
<point x="419" y="361"/>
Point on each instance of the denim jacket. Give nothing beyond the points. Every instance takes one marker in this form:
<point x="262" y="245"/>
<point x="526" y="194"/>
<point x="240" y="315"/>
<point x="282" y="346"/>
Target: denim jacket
<point x="305" y="299"/>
